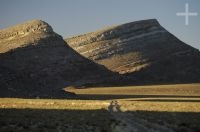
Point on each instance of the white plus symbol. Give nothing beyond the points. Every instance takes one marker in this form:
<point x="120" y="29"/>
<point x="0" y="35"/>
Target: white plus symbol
<point x="186" y="14"/>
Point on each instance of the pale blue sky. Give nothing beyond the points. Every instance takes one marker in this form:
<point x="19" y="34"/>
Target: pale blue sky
<point x="73" y="17"/>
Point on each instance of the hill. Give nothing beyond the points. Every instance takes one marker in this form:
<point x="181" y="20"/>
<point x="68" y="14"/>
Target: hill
<point x="37" y="62"/>
<point x="142" y="51"/>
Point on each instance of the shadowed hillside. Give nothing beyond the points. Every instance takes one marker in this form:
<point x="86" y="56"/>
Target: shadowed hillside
<point x="36" y="62"/>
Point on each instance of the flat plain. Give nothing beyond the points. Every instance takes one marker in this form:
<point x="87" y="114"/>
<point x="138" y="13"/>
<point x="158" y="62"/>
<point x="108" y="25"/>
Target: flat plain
<point x="130" y="108"/>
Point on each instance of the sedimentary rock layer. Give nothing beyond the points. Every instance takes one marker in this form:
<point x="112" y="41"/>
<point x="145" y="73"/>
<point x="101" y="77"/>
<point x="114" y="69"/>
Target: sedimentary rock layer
<point x="137" y="47"/>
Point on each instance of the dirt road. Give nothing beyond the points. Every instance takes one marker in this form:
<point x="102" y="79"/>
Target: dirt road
<point x="128" y="122"/>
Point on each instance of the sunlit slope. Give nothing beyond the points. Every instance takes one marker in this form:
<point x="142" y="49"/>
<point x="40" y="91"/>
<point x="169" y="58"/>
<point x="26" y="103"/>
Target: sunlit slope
<point x="143" y="48"/>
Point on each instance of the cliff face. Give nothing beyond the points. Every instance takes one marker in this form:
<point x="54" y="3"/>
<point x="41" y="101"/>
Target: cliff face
<point x="143" y="50"/>
<point x="35" y="61"/>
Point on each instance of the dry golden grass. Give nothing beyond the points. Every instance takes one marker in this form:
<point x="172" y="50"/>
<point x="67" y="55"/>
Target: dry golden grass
<point x="176" y="89"/>
<point x="171" y="98"/>
<point x="53" y="115"/>
<point x="52" y="104"/>
<point x="160" y="106"/>
<point x="174" y="106"/>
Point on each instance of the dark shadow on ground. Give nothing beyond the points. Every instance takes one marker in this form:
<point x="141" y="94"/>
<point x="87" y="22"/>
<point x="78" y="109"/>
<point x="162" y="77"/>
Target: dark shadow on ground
<point x="111" y="97"/>
<point x="91" y="120"/>
<point x="177" y="121"/>
<point x="54" y="120"/>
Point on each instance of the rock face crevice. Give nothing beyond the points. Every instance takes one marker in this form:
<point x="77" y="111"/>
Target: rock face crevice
<point x="141" y="48"/>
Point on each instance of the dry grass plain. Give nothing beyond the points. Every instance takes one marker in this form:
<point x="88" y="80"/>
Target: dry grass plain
<point x="53" y="115"/>
<point x="174" y="107"/>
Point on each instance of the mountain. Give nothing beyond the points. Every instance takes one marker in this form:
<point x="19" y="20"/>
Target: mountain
<point x="142" y="51"/>
<point x="37" y="62"/>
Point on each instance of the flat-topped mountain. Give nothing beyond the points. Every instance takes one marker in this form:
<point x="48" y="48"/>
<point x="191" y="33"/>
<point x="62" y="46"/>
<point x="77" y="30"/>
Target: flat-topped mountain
<point x="35" y="61"/>
<point x="143" y="51"/>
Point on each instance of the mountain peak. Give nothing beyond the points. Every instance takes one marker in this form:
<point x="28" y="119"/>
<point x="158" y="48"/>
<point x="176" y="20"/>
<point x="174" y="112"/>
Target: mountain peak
<point x="33" y="26"/>
<point x="37" y="25"/>
<point x="113" y="32"/>
<point x="24" y="34"/>
<point x="141" y="22"/>
<point x="139" y="47"/>
<point x="115" y="39"/>
<point x="35" y="61"/>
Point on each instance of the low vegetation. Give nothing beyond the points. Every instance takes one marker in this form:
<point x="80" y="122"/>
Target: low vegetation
<point x="53" y="115"/>
<point x="158" y="107"/>
<point x="176" y="107"/>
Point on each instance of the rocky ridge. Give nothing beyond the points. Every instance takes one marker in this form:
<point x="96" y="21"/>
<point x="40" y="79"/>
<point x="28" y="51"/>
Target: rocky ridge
<point x="35" y="61"/>
<point x="20" y="34"/>
<point x="143" y="48"/>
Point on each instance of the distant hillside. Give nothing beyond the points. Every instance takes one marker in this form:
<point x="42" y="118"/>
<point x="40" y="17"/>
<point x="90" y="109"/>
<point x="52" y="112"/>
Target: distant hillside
<point x="142" y="51"/>
<point x="37" y="62"/>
